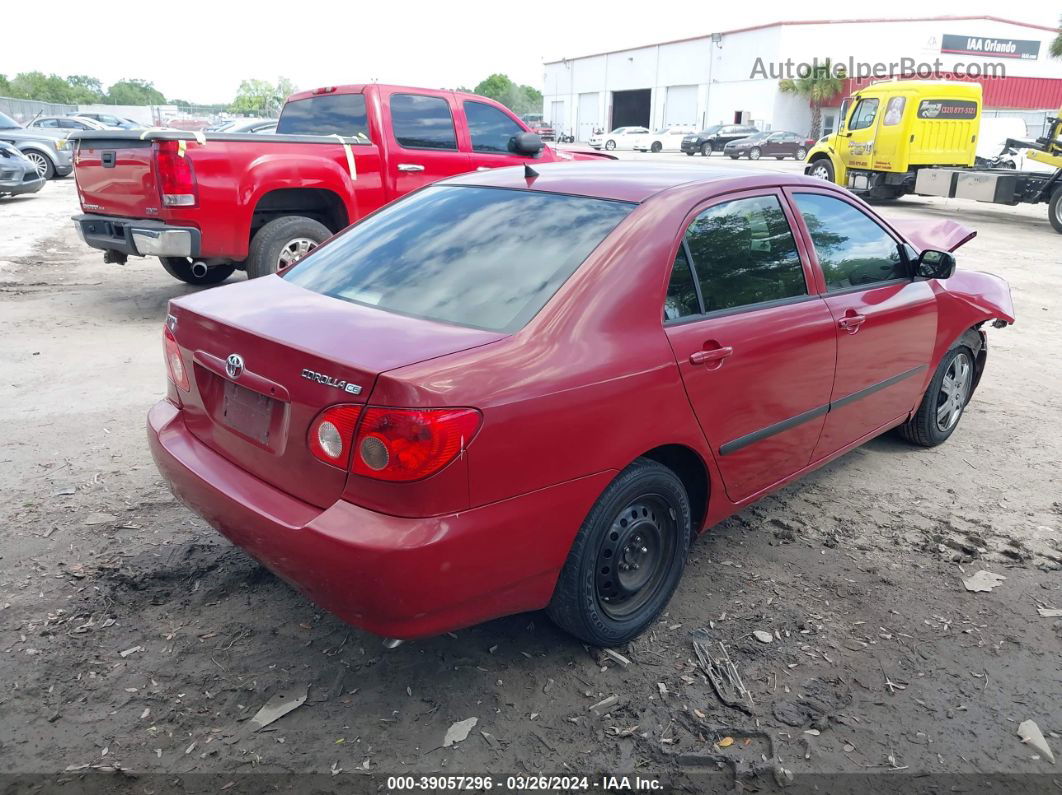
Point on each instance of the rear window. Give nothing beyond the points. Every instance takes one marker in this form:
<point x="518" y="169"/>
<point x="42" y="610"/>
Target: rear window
<point x="488" y="258"/>
<point x="326" y="114"/>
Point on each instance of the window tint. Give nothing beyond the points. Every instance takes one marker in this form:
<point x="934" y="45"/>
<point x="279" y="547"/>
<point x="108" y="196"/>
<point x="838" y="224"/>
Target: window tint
<point x="483" y="257"/>
<point x="863" y="115"/>
<point x="422" y="122"/>
<point x="852" y="249"/>
<point x="326" y="114"/>
<point x="491" y="130"/>
<point x="894" y="111"/>
<point x="49" y="123"/>
<point x="70" y="124"/>
<point x="681" y="298"/>
<point x="744" y="253"/>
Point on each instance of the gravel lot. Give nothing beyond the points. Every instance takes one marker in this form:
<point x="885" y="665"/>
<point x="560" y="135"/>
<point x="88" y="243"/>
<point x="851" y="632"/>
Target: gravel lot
<point x="136" y="643"/>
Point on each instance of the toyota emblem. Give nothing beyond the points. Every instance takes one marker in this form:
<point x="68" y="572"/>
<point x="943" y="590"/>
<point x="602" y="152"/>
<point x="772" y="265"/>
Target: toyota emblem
<point x="234" y="365"/>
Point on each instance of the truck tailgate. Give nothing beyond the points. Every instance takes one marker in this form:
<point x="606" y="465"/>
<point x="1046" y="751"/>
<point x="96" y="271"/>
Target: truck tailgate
<point x="117" y="177"/>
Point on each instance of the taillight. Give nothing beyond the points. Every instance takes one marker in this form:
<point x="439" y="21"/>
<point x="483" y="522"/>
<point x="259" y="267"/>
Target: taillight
<point x="332" y="434"/>
<point x="410" y="444"/>
<point x="177" y="185"/>
<point x="174" y="363"/>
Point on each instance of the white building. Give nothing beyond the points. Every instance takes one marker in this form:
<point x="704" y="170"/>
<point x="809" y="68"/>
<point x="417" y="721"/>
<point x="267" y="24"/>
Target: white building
<point x="732" y="77"/>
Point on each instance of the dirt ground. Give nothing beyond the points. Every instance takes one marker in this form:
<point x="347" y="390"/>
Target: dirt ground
<point x="136" y="644"/>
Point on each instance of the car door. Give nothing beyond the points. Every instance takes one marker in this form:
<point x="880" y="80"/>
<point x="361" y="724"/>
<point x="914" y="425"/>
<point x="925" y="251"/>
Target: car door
<point x="886" y="323"/>
<point x="490" y="133"/>
<point x="423" y="140"/>
<point x="774" y="145"/>
<point x="855" y="151"/>
<point x="755" y="347"/>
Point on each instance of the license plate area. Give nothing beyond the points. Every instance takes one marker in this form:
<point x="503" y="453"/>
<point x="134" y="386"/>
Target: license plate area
<point x="248" y="413"/>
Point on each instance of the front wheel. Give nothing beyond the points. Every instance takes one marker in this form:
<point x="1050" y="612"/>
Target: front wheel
<point x="610" y="145"/>
<point x="706" y="149"/>
<point x="1054" y="210"/>
<point x="656" y="147"/>
<point x="754" y="153"/>
<point x="184" y="269"/>
<point x="801" y="153"/>
<point x="944" y="401"/>
<point x="822" y="169"/>
<point x="44" y="165"/>
<point x="627" y="557"/>
<point x="283" y="242"/>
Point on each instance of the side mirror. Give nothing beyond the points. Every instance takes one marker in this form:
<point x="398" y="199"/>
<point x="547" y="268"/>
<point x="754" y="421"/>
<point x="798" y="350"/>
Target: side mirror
<point x="935" y="265"/>
<point x="526" y="144"/>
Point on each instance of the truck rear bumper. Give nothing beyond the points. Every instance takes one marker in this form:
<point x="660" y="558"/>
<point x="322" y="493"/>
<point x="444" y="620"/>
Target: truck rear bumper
<point x="137" y="237"/>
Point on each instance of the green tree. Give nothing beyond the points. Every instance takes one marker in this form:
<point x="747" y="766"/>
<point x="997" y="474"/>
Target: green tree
<point x="520" y="99"/>
<point x="5" y="86"/>
<point x="822" y="83"/>
<point x="39" y="86"/>
<point x="84" y="89"/>
<point x="262" y="97"/>
<point x="1056" y="45"/>
<point x="134" y="92"/>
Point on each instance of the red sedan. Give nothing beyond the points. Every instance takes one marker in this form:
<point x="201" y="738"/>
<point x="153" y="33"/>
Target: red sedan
<point x="511" y="391"/>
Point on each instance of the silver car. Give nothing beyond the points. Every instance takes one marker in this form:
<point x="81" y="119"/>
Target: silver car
<point x="50" y="156"/>
<point x="17" y="173"/>
<point x="62" y="126"/>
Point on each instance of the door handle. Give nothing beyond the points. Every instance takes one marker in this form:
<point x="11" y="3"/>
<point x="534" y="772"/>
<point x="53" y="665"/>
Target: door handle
<point x="410" y="167"/>
<point x="714" y="355"/>
<point x="851" y="323"/>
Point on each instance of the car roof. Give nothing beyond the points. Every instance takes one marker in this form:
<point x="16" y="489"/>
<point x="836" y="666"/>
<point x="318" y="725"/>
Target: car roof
<point x="623" y="180"/>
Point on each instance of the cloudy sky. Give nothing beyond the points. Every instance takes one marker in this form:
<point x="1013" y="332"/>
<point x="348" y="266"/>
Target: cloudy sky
<point x="201" y="51"/>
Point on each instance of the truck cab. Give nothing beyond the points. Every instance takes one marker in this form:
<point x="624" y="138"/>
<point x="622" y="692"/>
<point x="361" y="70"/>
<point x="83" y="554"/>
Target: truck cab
<point x="891" y="129"/>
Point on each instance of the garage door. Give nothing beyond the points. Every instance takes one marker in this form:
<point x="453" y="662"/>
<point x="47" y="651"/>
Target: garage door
<point x="587" y="120"/>
<point x="680" y="106"/>
<point x="556" y="116"/>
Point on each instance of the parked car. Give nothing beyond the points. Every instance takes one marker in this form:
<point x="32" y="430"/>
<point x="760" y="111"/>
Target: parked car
<point x="62" y="126"/>
<point x="539" y="127"/>
<point x="259" y="126"/>
<point x="505" y="393"/>
<point x="714" y="138"/>
<point x="619" y="138"/>
<point x="665" y="139"/>
<point x="270" y="199"/>
<point x="50" y="156"/>
<point x="778" y="144"/>
<point x="110" y="120"/>
<point x="18" y="174"/>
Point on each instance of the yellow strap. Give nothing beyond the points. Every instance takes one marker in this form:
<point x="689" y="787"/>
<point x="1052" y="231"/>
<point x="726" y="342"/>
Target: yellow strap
<point x="350" y="156"/>
<point x="180" y="148"/>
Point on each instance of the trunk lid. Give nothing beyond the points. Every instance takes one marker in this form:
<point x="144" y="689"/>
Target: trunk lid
<point x="301" y="351"/>
<point x="116" y="176"/>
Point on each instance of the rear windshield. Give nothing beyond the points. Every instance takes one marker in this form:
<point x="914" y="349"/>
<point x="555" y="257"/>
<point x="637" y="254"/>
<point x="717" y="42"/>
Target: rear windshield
<point x="488" y="258"/>
<point x="326" y="114"/>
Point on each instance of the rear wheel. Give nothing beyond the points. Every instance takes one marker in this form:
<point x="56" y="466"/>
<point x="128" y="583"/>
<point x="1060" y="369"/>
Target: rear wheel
<point x="1054" y="210"/>
<point x="44" y="165"/>
<point x="707" y="149"/>
<point x="283" y="242"/>
<point x="944" y="401"/>
<point x="182" y="268"/>
<point x="656" y="147"/>
<point x="822" y="169"/>
<point x="627" y="558"/>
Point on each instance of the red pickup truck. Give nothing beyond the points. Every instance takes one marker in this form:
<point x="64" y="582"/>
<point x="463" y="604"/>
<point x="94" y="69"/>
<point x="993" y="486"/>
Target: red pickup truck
<point x="208" y="204"/>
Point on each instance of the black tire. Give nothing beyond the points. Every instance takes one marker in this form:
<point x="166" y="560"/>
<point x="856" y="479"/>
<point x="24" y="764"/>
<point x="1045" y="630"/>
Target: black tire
<point x="734" y="157"/>
<point x="610" y="145"/>
<point x="801" y="153"/>
<point x="707" y="149"/>
<point x="44" y="165"/>
<point x="754" y="153"/>
<point x="269" y="241"/>
<point x="824" y="167"/>
<point x="1054" y="210"/>
<point x="660" y="525"/>
<point x="181" y="268"/>
<point x="691" y="153"/>
<point x="656" y="147"/>
<point x="924" y="428"/>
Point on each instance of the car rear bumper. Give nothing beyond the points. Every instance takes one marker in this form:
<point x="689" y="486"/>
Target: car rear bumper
<point x="394" y="576"/>
<point x="136" y="237"/>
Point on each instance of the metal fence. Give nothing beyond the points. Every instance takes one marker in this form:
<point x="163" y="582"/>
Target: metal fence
<point x="24" y="110"/>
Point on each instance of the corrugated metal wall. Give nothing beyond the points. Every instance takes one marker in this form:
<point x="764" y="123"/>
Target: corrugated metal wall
<point x="24" y="110"/>
<point x="1018" y="93"/>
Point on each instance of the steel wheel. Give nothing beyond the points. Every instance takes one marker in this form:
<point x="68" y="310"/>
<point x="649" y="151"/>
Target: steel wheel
<point x="294" y="251"/>
<point x="954" y="392"/>
<point x="821" y="171"/>
<point x="632" y="561"/>
<point x="40" y="162"/>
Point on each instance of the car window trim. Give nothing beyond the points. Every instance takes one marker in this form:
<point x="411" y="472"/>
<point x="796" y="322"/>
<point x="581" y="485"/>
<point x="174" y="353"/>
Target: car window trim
<point x="820" y="275"/>
<point x="750" y="193"/>
<point x="453" y="124"/>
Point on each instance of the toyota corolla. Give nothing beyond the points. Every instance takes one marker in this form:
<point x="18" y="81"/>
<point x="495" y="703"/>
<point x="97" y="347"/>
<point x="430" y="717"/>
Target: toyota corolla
<point x="516" y="390"/>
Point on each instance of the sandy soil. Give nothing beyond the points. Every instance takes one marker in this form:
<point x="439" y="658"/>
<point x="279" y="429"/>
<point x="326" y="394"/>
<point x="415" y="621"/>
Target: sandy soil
<point x="136" y="643"/>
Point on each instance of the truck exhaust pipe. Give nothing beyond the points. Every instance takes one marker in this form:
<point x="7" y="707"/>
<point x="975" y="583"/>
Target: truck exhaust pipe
<point x="199" y="269"/>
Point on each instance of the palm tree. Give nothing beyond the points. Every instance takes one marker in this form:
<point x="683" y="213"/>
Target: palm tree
<point x="1056" y="46"/>
<point x="820" y="85"/>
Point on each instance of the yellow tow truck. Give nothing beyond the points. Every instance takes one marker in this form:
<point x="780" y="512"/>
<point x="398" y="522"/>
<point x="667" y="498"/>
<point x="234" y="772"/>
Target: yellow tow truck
<point x="920" y="136"/>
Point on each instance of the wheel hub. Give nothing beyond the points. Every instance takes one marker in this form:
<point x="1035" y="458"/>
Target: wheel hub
<point x="294" y="251"/>
<point x="954" y="392"/>
<point x="633" y="556"/>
